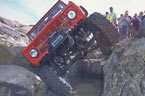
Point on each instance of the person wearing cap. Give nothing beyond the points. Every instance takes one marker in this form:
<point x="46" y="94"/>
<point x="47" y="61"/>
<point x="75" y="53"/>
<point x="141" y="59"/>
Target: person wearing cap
<point x="140" y="23"/>
<point x="142" y="26"/>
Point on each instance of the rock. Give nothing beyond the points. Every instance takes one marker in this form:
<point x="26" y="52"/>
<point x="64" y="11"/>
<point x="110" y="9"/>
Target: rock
<point x="17" y="81"/>
<point x="10" y="54"/>
<point x="10" y="22"/>
<point x="23" y="29"/>
<point x="12" y="40"/>
<point x="85" y="75"/>
<point x="13" y="32"/>
<point x="90" y="66"/>
<point x="124" y="70"/>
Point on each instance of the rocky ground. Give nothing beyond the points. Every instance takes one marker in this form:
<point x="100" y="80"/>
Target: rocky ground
<point x="121" y="75"/>
<point x="17" y="80"/>
<point x="124" y="70"/>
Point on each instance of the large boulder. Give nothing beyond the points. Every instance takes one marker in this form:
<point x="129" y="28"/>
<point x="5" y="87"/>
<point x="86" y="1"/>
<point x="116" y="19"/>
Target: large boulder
<point x="91" y="64"/>
<point x="14" y="25"/>
<point x="10" y="22"/>
<point x="12" y="55"/>
<point x="85" y="75"/>
<point x="124" y="70"/>
<point x="12" y="39"/>
<point x="17" y="81"/>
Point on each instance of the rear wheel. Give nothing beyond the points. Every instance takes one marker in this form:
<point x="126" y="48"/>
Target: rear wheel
<point x="55" y="83"/>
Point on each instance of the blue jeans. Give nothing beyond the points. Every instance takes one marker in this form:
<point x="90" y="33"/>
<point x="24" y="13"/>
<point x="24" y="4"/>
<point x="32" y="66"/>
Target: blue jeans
<point x="123" y="30"/>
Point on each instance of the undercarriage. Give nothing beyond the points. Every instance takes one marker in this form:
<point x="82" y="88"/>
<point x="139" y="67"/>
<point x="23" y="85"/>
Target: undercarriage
<point x="67" y="48"/>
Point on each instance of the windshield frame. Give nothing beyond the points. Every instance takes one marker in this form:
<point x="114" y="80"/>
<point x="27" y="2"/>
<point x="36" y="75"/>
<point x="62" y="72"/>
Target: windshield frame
<point x="44" y="19"/>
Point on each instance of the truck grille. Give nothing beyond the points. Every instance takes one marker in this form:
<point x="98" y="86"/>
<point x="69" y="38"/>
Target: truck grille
<point x="42" y="50"/>
<point x="36" y="44"/>
<point x="42" y="39"/>
<point x="52" y="28"/>
<point x="58" y="23"/>
<point x="62" y="17"/>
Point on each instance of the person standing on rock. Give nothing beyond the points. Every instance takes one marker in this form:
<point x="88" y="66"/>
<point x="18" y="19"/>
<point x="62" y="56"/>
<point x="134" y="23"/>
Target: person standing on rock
<point x="124" y="24"/>
<point x="135" y="22"/>
<point x="140" y="21"/>
<point x="134" y="25"/>
<point x="106" y="14"/>
<point x="121" y="15"/>
<point x="119" y="23"/>
<point x="143" y="17"/>
<point x="142" y="27"/>
<point x="112" y="17"/>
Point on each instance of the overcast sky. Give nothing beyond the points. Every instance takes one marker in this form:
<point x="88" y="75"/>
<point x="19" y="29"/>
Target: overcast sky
<point x="30" y="11"/>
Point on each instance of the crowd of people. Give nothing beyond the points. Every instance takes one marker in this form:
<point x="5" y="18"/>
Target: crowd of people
<point x="125" y="23"/>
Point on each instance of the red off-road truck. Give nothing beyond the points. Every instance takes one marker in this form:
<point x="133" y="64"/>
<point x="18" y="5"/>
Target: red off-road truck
<point x="64" y="35"/>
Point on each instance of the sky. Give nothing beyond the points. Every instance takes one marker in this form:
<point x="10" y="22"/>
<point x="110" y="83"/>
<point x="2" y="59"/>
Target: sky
<point x="30" y="11"/>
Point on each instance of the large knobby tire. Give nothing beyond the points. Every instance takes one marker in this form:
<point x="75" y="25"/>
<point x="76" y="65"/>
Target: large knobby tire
<point x="106" y="50"/>
<point x="104" y="44"/>
<point x="56" y="84"/>
<point x="107" y="34"/>
<point x="105" y="27"/>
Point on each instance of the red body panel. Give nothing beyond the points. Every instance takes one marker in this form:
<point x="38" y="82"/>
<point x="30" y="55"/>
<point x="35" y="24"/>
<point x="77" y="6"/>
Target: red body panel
<point x="41" y="40"/>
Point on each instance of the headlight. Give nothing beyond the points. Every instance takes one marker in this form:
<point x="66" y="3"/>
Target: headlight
<point x="33" y="53"/>
<point x="71" y="14"/>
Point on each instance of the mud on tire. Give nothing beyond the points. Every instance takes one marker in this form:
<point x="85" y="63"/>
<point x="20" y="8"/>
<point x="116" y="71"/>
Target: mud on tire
<point x="105" y="26"/>
<point x="55" y="84"/>
<point x="106" y="34"/>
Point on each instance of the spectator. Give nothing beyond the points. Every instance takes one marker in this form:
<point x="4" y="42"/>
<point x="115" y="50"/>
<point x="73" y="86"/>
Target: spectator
<point x="106" y="14"/>
<point x="140" y="21"/>
<point x="119" y="23"/>
<point x="112" y="16"/>
<point x="134" y="26"/>
<point x="143" y="17"/>
<point x="142" y="27"/>
<point x="121" y="15"/>
<point x="140" y="15"/>
<point x="135" y="22"/>
<point x="124" y="25"/>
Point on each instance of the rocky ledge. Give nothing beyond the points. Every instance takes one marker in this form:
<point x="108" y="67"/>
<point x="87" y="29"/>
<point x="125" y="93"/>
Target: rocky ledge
<point x="124" y="70"/>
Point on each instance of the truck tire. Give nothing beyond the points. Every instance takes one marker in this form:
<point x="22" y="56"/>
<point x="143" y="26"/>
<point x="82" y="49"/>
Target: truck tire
<point x="105" y="27"/>
<point x="106" y="34"/>
<point x="56" y="84"/>
<point x="105" y="49"/>
<point x="104" y="45"/>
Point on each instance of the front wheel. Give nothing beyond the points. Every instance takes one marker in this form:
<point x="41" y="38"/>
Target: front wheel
<point x="55" y="83"/>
